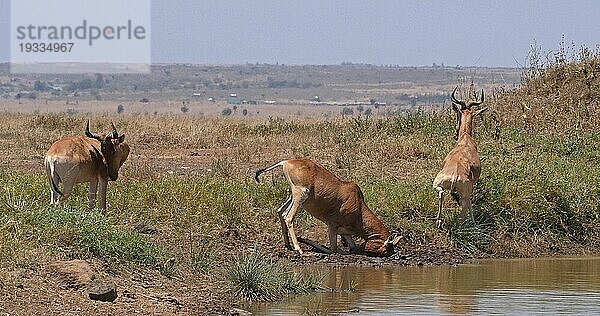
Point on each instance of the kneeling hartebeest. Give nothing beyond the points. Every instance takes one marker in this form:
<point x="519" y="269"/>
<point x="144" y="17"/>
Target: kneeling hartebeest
<point x="339" y="204"/>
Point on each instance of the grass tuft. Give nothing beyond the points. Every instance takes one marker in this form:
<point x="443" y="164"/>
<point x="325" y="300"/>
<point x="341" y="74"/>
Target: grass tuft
<point x="204" y="259"/>
<point x="257" y="278"/>
<point x="469" y="235"/>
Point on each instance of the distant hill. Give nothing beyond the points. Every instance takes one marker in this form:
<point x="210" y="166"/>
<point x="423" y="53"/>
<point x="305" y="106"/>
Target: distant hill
<point x="347" y="82"/>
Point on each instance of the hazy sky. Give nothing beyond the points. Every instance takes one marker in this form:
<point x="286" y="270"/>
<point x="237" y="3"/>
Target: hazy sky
<point x="480" y="33"/>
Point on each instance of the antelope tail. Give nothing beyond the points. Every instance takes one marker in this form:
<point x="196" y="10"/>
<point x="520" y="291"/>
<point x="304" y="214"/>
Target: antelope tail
<point x="55" y="187"/>
<point x="453" y="192"/>
<point x="260" y="171"/>
<point x="50" y="171"/>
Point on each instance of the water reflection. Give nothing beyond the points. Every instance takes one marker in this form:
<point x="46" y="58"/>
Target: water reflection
<point x="523" y="286"/>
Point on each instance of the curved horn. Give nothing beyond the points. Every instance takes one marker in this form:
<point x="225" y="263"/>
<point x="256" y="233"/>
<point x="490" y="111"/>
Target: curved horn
<point x="452" y="96"/>
<point x="115" y="134"/>
<point x="90" y="134"/>
<point x="87" y="129"/>
<point x="462" y="104"/>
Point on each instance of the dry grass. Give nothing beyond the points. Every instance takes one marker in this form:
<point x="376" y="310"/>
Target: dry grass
<point x="169" y="144"/>
<point x="559" y="95"/>
<point x="190" y="177"/>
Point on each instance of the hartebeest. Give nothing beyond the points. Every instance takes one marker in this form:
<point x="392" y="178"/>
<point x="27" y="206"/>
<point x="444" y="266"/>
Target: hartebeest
<point x="462" y="166"/>
<point x="339" y="204"/>
<point x="91" y="158"/>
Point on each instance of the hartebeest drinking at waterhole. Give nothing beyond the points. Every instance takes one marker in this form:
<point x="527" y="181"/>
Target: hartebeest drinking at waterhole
<point x="339" y="204"/>
<point x="91" y="158"/>
<point x="462" y="166"/>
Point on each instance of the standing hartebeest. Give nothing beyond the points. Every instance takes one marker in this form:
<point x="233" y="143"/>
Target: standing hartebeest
<point x="462" y="166"/>
<point x="91" y="158"/>
<point x="339" y="204"/>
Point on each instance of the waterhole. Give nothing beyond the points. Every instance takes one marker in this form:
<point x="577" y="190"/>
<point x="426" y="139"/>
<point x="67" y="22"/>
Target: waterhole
<point x="505" y="287"/>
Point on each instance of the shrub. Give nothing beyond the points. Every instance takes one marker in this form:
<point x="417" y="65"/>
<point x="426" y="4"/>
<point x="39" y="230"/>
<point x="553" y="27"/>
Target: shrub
<point x="347" y="111"/>
<point x="226" y="112"/>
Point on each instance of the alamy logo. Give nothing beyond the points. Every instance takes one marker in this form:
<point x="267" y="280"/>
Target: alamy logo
<point x="64" y="36"/>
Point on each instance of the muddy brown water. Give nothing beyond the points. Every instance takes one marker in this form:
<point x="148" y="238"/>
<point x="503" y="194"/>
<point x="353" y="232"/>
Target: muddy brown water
<point x="503" y="287"/>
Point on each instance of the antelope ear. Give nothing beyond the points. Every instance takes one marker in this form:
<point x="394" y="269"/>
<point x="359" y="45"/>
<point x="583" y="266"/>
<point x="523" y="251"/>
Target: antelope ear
<point x="480" y="111"/>
<point x="121" y="138"/>
<point x="455" y="107"/>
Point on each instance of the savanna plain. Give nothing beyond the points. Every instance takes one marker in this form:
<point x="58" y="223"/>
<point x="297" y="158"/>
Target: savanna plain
<point x="187" y="230"/>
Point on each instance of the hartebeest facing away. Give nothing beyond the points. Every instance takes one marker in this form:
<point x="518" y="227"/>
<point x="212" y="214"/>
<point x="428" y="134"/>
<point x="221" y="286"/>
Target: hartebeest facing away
<point x="462" y="166"/>
<point x="91" y="158"/>
<point x="339" y="204"/>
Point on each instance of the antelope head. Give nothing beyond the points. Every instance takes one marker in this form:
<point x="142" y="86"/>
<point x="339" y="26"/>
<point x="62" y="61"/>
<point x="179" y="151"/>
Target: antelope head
<point x="461" y="108"/>
<point x="113" y="147"/>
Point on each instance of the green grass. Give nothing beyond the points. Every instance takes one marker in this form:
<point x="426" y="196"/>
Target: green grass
<point x="204" y="259"/>
<point x="71" y="231"/>
<point x="257" y="278"/>
<point x="537" y="195"/>
<point x="92" y="233"/>
<point x="544" y="188"/>
<point x="467" y="234"/>
<point x="538" y="192"/>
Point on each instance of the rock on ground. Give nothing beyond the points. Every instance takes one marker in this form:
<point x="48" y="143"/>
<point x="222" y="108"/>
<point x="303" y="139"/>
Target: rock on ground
<point x="74" y="273"/>
<point x="105" y="291"/>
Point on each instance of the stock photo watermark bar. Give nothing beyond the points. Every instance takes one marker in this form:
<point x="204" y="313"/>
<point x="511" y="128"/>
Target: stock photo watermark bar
<point x="68" y="36"/>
